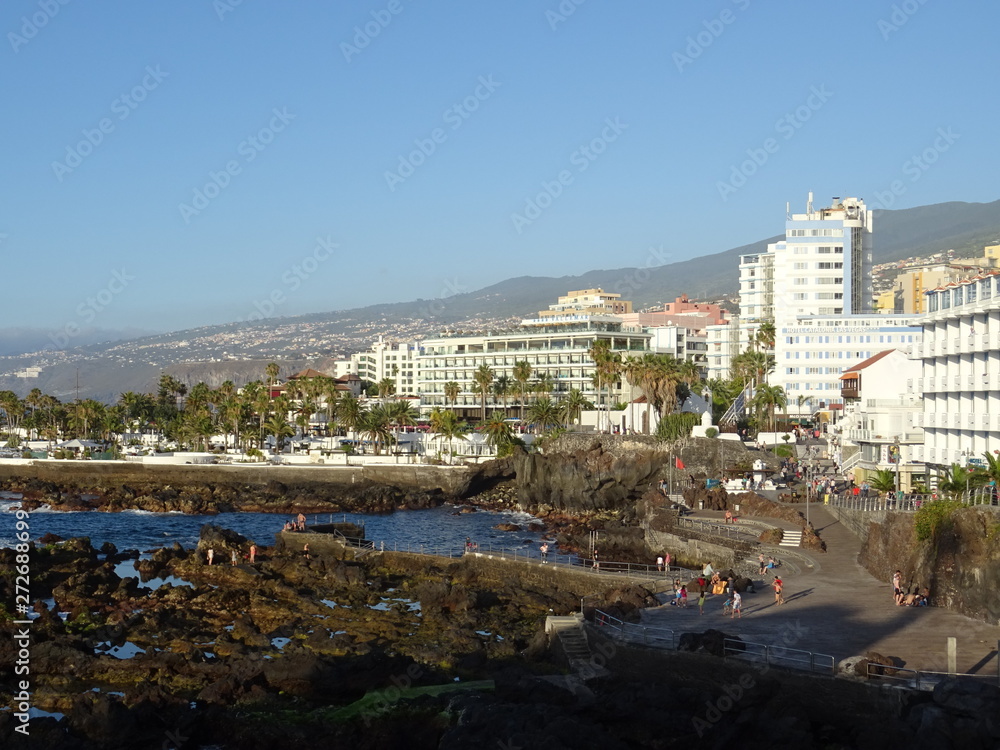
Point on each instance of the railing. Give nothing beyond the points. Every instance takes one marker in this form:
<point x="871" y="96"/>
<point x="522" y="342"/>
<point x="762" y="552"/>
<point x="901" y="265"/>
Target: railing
<point x="779" y="656"/>
<point x="632" y="632"/>
<point x="731" y="530"/>
<point x="980" y="496"/>
<point x="919" y="679"/>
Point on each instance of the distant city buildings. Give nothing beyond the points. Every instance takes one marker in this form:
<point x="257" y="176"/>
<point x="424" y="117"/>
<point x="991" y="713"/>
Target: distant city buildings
<point x="815" y="287"/>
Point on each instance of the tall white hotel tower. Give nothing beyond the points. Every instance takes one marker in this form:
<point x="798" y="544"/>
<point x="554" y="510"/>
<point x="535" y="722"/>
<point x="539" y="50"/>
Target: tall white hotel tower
<point x="816" y="286"/>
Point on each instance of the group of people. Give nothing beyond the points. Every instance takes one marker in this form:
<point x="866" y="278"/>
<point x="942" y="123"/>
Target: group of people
<point x="916" y="598"/>
<point x="234" y="555"/>
<point x="663" y="562"/>
<point x="296" y="524"/>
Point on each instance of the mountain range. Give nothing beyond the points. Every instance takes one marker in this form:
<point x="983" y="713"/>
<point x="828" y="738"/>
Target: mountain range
<point x="239" y="351"/>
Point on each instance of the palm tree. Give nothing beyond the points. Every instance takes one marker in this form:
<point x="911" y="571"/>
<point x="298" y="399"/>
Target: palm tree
<point x="607" y="367"/>
<point x="769" y="397"/>
<point x="765" y="334"/>
<point x="447" y="425"/>
<point x="544" y="414"/>
<point x="278" y="426"/>
<point x="271" y="371"/>
<point x="483" y="378"/>
<point x="884" y="480"/>
<point x="522" y="374"/>
<point x="451" y="391"/>
<point x="957" y="479"/>
<point x="349" y="412"/>
<point x="376" y="426"/>
<point x="498" y="432"/>
<point x="573" y="405"/>
<point x="402" y="413"/>
<point x="386" y="387"/>
<point x="502" y="388"/>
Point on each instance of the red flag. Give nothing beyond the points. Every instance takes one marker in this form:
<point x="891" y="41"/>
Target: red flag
<point x="678" y="463"/>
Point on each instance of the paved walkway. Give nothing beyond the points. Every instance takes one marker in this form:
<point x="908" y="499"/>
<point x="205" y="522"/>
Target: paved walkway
<point x="836" y="607"/>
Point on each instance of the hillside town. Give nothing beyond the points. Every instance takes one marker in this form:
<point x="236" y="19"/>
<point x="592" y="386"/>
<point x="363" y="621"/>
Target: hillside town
<point x="899" y="376"/>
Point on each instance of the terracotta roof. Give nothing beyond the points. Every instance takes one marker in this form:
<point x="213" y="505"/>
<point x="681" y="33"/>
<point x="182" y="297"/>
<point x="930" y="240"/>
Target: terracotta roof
<point x="308" y="373"/>
<point x="868" y="362"/>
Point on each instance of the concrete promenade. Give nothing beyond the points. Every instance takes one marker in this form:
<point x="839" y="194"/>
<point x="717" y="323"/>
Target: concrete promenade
<point x="837" y="608"/>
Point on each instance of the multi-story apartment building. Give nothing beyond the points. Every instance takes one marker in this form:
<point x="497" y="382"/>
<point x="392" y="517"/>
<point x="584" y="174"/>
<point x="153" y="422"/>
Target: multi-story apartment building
<point x="588" y="301"/>
<point x="815" y="286"/>
<point x="960" y="377"/>
<point x="555" y="347"/>
<point x="398" y="362"/>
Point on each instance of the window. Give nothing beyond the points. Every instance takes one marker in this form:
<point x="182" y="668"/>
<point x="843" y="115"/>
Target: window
<point x="829" y="266"/>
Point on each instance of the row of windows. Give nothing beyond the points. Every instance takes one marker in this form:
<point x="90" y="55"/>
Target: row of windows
<point x="867" y="338"/>
<point x="828" y="355"/>
<point x="825" y="266"/>
<point x="815" y="232"/>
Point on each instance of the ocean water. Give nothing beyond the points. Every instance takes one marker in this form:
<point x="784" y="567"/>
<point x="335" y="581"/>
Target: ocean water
<point x="436" y="529"/>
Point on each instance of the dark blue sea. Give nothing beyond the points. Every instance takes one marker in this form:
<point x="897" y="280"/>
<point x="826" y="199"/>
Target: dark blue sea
<point x="438" y="529"/>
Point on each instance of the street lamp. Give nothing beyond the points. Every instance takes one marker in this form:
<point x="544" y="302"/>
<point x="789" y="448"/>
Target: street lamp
<point x="899" y="460"/>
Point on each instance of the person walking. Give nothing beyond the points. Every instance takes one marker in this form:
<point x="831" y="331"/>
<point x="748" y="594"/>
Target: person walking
<point x="597" y="561"/>
<point x="701" y="603"/>
<point x="762" y="561"/>
<point x="684" y="597"/>
<point x="544" y="550"/>
<point x="253" y="553"/>
<point x="659" y="564"/>
<point x="737" y="605"/>
<point x="778" y="588"/>
<point x="897" y="587"/>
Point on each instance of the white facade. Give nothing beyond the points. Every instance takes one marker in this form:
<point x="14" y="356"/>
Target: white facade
<point x="556" y="348"/>
<point x="960" y="378"/>
<point x="811" y="353"/>
<point x="397" y="362"/>
<point x="680" y="343"/>
<point x="815" y="285"/>
<point x="880" y="420"/>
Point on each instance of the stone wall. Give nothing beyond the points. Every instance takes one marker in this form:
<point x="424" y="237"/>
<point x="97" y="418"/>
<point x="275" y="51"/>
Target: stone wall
<point x="859" y="522"/>
<point x="451" y="479"/>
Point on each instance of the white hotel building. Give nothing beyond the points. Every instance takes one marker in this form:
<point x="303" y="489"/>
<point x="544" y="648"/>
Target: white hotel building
<point x="960" y="382"/>
<point x="816" y="287"/>
<point x="556" y="347"/>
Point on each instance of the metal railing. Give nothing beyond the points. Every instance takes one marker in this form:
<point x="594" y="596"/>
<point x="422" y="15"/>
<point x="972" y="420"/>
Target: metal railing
<point x="919" y="679"/>
<point x="635" y="633"/>
<point x="780" y="656"/>
<point x="981" y="496"/>
<point x="731" y="530"/>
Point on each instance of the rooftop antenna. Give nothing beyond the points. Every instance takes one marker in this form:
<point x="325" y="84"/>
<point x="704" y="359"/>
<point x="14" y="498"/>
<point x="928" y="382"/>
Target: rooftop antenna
<point x="788" y="209"/>
<point x="809" y="203"/>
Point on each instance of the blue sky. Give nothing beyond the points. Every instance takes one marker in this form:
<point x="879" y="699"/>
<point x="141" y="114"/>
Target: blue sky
<point x="355" y="153"/>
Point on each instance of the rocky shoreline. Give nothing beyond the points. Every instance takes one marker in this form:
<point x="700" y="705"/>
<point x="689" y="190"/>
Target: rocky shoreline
<point x="397" y="650"/>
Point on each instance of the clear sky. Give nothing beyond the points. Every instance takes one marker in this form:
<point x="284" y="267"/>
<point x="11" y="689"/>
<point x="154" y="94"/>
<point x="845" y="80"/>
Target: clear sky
<point x="174" y="164"/>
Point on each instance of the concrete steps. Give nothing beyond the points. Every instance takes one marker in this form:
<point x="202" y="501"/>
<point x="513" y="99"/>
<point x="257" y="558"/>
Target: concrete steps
<point x="573" y="639"/>
<point x="791" y="539"/>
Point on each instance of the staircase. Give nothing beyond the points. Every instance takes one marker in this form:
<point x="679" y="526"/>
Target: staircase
<point x="573" y="639"/>
<point x="791" y="539"/>
<point x="736" y="411"/>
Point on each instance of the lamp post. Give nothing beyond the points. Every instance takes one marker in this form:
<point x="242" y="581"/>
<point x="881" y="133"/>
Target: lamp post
<point x="899" y="460"/>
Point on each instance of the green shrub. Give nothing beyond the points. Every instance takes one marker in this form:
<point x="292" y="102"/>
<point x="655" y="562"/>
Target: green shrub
<point x="711" y="432"/>
<point x="675" y="426"/>
<point x="931" y="517"/>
